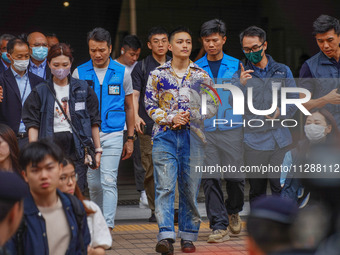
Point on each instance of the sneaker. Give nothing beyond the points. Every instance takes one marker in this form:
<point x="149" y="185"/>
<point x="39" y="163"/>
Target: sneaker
<point x="187" y="246"/>
<point x="152" y="218"/>
<point x="143" y="201"/>
<point x="235" y="223"/>
<point x="165" y="247"/>
<point x="218" y="236"/>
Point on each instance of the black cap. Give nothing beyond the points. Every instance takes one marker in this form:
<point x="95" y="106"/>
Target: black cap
<point x="12" y="186"/>
<point x="275" y="208"/>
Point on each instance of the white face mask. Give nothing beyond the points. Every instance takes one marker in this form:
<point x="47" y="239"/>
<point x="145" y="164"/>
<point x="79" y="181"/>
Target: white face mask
<point x="21" y="65"/>
<point x="315" y="133"/>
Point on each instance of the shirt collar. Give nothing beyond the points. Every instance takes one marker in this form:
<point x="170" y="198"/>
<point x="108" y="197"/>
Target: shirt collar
<point x="42" y="65"/>
<point x="16" y="75"/>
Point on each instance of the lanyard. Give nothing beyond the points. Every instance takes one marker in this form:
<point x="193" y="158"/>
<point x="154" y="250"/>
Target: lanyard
<point x="23" y="94"/>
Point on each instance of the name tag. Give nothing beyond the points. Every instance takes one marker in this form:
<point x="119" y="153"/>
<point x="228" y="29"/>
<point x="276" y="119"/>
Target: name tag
<point x="114" y="89"/>
<point x="79" y="106"/>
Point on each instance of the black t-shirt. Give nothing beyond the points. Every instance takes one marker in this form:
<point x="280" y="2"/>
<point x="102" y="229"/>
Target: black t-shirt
<point x="139" y="82"/>
<point x="214" y="67"/>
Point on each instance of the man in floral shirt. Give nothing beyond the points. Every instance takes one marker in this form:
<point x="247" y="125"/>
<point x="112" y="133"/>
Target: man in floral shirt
<point x="173" y="100"/>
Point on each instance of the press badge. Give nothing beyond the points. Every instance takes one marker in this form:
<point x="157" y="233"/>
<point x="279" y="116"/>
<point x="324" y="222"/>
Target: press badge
<point x="79" y="106"/>
<point x="114" y="89"/>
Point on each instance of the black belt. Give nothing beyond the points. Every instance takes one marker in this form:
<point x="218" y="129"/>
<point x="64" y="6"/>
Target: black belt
<point x="21" y="135"/>
<point x="182" y="127"/>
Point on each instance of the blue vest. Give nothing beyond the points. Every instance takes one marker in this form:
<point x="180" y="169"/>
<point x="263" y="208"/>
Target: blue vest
<point x="326" y="77"/>
<point x="111" y="94"/>
<point x="229" y="66"/>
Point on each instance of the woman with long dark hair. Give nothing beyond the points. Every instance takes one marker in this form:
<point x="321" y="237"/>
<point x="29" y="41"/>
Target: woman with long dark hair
<point x="9" y="149"/>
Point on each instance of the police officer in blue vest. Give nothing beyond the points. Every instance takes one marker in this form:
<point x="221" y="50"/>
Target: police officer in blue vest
<point x="113" y="86"/>
<point x="320" y="74"/>
<point x="264" y="144"/>
<point x="224" y="141"/>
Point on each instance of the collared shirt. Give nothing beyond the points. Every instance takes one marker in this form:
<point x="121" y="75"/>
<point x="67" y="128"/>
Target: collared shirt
<point x="165" y="97"/>
<point x="24" y="88"/>
<point x="38" y="70"/>
<point x="270" y="139"/>
<point x="4" y="64"/>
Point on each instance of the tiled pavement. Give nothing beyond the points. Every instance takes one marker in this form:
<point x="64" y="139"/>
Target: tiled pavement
<point x="138" y="238"/>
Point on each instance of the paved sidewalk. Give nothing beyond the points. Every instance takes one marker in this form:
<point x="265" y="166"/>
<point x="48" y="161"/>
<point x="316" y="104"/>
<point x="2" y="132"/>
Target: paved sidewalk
<point x="138" y="237"/>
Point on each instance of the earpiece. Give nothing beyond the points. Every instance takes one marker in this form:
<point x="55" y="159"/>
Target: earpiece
<point x="122" y="52"/>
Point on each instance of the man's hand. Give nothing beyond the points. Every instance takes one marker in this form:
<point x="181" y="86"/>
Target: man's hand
<point x="1" y="94"/>
<point x="180" y="119"/>
<point x="98" y="158"/>
<point x="245" y="75"/>
<point x="127" y="149"/>
<point x="138" y="122"/>
<point x="276" y="114"/>
<point x="332" y="97"/>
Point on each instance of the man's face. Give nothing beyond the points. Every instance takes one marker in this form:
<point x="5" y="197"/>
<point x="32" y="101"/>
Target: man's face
<point x="100" y="53"/>
<point x="3" y="47"/>
<point x="20" y="52"/>
<point x="181" y="45"/>
<point x="52" y="41"/>
<point x="328" y="43"/>
<point x="43" y="178"/>
<point x="213" y="44"/>
<point x="129" y="56"/>
<point x="253" y="44"/>
<point x="158" y="44"/>
<point x="37" y="39"/>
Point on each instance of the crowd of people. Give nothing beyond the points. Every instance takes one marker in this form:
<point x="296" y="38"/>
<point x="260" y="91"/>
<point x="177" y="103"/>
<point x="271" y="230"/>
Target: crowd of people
<point x="64" y="134"/>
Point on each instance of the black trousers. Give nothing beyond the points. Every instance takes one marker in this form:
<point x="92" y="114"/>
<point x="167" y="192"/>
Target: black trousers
<point x="258" y="182"/>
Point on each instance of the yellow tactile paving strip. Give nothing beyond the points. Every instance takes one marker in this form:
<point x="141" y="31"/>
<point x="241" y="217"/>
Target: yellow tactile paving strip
<point x="153" y="226"/>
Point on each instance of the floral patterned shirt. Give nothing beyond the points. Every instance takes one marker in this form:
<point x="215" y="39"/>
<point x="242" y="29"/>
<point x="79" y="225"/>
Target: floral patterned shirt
<point x="165" y="97"/>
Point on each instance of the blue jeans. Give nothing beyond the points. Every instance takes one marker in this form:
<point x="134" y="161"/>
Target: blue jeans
<point x="173" y="154"/>
<point x="103" y="181"/>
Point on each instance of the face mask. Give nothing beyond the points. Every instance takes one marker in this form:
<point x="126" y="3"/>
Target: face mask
<point x="39" y="53"/>
<point x="5" y="58"/>
<point x="60" y="73"/>
<point x="254" y="57"/>
<point x="20" y="65"/>
<point x="315" y="133"/>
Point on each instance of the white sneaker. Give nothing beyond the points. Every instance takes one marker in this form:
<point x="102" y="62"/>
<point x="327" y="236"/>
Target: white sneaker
<point x="143" y="201"/>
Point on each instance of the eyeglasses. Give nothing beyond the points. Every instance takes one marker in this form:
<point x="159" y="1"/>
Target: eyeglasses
<point x="67" y="179"/>
<point x="252" y="49"/>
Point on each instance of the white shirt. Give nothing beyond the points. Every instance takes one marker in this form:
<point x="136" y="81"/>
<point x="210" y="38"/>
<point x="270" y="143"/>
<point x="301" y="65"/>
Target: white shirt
<point x="60" y="123"/>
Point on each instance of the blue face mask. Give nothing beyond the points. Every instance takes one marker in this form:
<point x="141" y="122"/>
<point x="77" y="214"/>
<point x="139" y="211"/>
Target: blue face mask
<point x="39" y="53"/>
<point x="5" y="58"/>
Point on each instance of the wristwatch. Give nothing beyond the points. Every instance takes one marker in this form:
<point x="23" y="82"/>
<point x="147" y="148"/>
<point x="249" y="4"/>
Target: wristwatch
<point x="133" y="138"/>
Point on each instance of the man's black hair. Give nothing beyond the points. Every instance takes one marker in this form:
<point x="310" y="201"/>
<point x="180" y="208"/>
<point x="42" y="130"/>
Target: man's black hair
<point x="253" y="31"/>
<point x="5" y="207"/>
<point x="132" y="42"/>
<point x="11" y="44"/>
<point x="6" y="37"/>
<point x="179" y="29"/>
<point x="325" y="23"/>
<point x="157" y="31"/>
<point x="213" y="26"/>
<point x="268" y="234"/>
<point x="99" y="34"/>
<point x="35" y="152"/>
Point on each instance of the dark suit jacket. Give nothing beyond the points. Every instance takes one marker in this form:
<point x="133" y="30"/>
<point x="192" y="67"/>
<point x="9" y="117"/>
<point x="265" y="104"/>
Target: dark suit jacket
<point x="47" y="71"/>
<point x="11" y="107"/>
<point x="2" y="68"/>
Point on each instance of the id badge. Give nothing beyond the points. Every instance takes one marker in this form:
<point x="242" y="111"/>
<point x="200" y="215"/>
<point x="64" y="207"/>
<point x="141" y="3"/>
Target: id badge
<point x="114" y="89"/>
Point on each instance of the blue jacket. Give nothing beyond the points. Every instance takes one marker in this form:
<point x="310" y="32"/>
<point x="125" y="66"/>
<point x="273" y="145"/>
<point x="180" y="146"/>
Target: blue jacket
<point x="324" y="77"/>
<point x="83" y="106"/>
<point x="34" y="237"/>
<point x="111" y="94"/>
<point x="229" y="66"/>
<point x="11" y="106"/>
